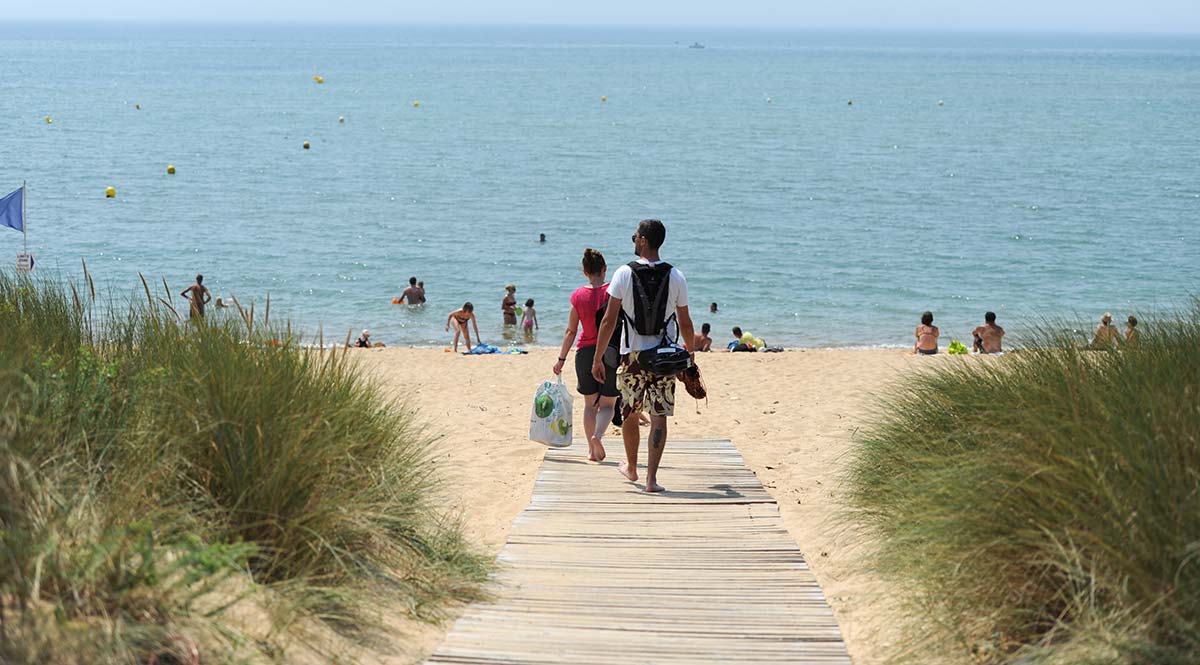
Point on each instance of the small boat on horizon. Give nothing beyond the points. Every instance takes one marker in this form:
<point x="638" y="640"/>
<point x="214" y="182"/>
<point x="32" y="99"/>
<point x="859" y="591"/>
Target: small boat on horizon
<point x="696" y="45"/>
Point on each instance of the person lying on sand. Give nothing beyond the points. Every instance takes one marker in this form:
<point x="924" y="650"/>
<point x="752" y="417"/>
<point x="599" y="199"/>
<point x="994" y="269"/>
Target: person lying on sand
<point x="1107" y="335"/>
<point x="927" y="336"/>
<point x="459" y="319"/>
<point x="745" y="342"/>
<point x="988" y="336"/>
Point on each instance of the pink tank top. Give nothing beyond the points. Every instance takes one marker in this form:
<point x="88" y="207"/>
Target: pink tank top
<point x="586" y="300"/>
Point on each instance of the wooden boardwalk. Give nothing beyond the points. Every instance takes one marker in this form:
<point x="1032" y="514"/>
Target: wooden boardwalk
<point x="596" y="571"/>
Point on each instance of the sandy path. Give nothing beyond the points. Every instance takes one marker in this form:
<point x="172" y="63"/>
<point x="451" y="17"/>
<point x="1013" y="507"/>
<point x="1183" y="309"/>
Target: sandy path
<point x="792" y="415"/>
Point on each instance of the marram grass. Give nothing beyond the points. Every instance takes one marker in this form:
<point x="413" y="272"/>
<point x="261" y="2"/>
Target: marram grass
<point x="149" y="465"/>
<point x="1045" y="508"/>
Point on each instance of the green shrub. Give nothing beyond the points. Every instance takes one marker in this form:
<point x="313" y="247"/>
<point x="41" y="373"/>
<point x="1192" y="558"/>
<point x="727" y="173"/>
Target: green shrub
<point x="1046" y="507"/>
<point x="144" y="459"/>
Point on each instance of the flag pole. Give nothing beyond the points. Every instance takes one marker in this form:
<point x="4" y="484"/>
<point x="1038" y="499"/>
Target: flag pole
<point x="24" y="219"/>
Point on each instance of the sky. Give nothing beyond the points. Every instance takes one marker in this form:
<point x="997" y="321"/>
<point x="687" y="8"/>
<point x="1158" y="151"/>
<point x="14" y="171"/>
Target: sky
<point x="1177" y="16"/>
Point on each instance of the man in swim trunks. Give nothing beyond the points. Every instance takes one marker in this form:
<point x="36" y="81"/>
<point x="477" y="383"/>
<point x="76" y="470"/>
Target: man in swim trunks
<point x="988" y="336"/>
<point x="638" y="387"/>
<point x="413" y="295"/>
<point x="198" y="295"/>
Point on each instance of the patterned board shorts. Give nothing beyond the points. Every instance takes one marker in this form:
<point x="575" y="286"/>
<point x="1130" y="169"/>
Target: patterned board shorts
<point x="641" y="390"/>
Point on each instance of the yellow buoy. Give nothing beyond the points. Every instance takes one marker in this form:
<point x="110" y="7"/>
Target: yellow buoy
<point x="110" y="192"/>
<point x="416" y="104"/>
<point x="171" y="169"/>
<point x="48" y="120"/>
<point x="604" y="98"/>
<point x="306" y="145"/>
<point x="319" y="79"/>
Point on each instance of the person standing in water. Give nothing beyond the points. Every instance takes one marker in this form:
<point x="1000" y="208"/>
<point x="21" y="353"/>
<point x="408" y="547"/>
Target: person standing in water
<point x="198" y="295"/>
<point x="414" y="294"/>
<point x="587" y="308"/>
<point x="509" y="305"/>
<point x="529" y="320"/>
<point x="634" y="297"/>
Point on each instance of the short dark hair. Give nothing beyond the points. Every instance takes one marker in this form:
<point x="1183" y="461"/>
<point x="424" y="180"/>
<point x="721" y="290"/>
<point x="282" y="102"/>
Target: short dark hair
<point x="529" y="303"/>
<point x="927" y="318"/>
<point x="737" y="332"/>
<point x="705" y="328"/>
<point x="412" y="281"/>
<point x="1132" y="321"/>
<point x="199" y="278"/>
<point x="468" y="307"/>
<point x="990" y="317"/>
<point x="653" y="231"/>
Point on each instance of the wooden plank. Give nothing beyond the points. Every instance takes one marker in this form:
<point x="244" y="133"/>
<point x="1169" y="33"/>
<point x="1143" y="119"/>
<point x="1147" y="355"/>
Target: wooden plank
<point x="597" y="571"/>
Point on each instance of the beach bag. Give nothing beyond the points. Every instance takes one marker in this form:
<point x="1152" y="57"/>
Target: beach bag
<point x="550" y="420"/>
<point x="957" y="348"/>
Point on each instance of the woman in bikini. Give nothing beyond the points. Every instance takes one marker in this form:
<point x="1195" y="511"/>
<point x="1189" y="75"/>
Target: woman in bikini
<point x="459" y="318"/>
<point x="587" y="306"/>
<point x="927" y="336"/>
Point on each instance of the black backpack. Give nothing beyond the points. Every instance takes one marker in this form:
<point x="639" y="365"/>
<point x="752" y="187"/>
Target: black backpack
<point x="651" y="290"/>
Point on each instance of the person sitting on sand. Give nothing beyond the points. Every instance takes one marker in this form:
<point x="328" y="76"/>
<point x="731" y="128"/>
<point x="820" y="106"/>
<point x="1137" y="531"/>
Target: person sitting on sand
<point x="927" y="336"/>
<point x="988" y="336"/>
<point x="529" y="319"/>
<point x="509" y="305"/>
<point x="459" y="319"/>
<point x="363" y="341"/>
<point x="1131" y="332"/>
<point x="703" y="341"/>
<point x="1107" y="335"/>
<point x="414" y="294"/>
<point x="587" y="308"/>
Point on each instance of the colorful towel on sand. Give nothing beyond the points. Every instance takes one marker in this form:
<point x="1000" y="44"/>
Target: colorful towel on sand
<point x="488" y="349"/>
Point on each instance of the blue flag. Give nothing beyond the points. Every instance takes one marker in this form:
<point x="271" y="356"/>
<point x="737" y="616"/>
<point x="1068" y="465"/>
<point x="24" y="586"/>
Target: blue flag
<point x="12" y="210"/>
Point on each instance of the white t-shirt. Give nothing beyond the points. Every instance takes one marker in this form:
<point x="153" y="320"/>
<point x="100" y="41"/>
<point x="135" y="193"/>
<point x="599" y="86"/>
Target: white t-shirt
<point x="621" y="288"/>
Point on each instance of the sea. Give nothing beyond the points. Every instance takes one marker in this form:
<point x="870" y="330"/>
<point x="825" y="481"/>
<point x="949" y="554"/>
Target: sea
<point x="823" y="188"/>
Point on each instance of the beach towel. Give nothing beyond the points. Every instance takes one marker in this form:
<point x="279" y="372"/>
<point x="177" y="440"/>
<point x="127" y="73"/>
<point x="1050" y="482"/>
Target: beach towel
<point x="488" y="349"/>
<point x="550" y="418"/>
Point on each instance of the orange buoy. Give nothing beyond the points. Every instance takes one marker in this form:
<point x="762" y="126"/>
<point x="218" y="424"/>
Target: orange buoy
<point x="395" y="301"/>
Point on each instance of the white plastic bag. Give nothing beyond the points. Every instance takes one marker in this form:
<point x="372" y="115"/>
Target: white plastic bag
<point x="550" y="419"/>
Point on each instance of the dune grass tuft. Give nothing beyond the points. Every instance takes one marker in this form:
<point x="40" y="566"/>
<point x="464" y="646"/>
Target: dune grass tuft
<point x="1046" y="507"/>
<point x="146" y="461"/>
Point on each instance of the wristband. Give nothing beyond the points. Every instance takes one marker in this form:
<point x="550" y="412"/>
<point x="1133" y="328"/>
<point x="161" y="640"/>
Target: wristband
<point x="562" y="360"/>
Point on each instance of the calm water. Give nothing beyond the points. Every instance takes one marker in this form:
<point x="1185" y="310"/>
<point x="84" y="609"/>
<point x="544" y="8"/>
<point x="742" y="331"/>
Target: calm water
<point x="1059" y="175"/>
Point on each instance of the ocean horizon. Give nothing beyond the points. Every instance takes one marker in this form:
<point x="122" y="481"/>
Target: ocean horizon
<point x="824" y="187"/>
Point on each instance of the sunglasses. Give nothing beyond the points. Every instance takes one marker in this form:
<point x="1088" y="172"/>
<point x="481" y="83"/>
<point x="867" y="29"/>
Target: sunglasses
<point x="633" y="237"/>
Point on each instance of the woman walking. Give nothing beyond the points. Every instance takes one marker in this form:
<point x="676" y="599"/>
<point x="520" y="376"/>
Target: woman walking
<point x="587" y="308"/>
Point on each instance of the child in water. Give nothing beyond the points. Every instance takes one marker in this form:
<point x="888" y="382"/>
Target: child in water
<point x="529" y="319"/>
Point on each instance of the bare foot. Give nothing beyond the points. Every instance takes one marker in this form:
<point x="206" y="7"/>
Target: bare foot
<point x="596" y="450"/>
<point x="630" y="474"/>
<point x="654" y="487"/>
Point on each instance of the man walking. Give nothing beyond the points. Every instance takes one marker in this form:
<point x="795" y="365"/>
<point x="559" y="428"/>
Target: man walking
<point x="649" y="296"/>
<point x="199" y="296"/>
